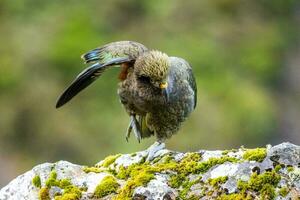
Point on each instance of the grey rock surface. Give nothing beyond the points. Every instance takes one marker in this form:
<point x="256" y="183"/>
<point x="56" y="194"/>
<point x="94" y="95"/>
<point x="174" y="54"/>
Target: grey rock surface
<point x="264" y="173"/>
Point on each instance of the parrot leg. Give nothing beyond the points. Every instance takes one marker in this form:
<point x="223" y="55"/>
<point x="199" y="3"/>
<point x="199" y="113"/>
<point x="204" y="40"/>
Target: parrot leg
<point x="129" y="129"/>
<point x="136" y="128"/>
<point x="154" y="149"/>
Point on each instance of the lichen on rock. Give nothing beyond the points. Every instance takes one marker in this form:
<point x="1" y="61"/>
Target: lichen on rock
<point x="262" y="173"/>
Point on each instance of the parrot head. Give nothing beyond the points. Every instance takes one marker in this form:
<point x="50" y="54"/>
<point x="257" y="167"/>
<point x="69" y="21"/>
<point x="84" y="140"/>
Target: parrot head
<point x="152" y="68"/>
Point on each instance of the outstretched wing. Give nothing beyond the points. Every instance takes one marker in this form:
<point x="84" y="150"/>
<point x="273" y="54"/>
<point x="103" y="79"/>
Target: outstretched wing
<point x="111" y="54"/>
<point x="114" y="50"/>
<point x="85" y="78"/>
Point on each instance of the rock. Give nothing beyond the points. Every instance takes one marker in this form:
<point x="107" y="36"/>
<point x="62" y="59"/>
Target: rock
<point x="262" y="173"/>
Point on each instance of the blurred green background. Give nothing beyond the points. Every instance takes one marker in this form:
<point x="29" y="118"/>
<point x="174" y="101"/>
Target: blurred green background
<point x="245" y="56"/>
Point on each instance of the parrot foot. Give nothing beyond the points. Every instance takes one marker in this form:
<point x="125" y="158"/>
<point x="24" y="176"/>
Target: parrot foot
<point x="133" y="124"/>
<point x="129" y="129"/>
<point x="154" y="149"/>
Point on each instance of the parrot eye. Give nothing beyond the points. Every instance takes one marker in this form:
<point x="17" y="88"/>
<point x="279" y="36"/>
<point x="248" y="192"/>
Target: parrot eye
<point x="144" y="79"/>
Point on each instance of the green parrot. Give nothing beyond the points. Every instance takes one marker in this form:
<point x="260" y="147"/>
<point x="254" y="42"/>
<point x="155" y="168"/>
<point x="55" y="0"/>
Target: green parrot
<point x="157" y="91"/>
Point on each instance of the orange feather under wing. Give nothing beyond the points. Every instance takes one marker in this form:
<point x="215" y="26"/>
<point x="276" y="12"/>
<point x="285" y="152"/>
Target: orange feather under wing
<point x="124" y="71"/>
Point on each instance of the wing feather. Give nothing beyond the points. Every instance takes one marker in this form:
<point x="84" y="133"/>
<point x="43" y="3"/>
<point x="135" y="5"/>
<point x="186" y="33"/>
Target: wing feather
<point x="114" y="53"/>
<point x="85" y="78"/>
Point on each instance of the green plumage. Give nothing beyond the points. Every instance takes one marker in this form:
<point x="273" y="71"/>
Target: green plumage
<point x="157" y="91"/>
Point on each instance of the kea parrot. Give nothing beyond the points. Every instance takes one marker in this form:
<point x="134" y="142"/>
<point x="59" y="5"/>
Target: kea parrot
<point x="157" y="91"/>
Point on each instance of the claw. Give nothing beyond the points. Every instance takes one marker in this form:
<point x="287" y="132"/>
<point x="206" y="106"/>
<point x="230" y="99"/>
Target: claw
<point x="129" y="129"/>
<point x="136" y="128"/>
<point x="133" y="125"/>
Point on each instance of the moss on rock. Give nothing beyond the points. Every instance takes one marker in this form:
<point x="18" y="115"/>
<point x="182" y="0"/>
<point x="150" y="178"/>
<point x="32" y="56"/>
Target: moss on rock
<point x="235" y="197"/>
<point x="70" y="191"/>
<point x="109" y="160"/>
<point x="205" y="166"/>
<point x="258" y="154"/>
<point x="92" y="169"/>
<point x="283" y="191"/>
<point x="107" y="186"/>
<point x="217" y="181"/>
<point x="137" y="175"/>
<point x="36" y="181"/>
<point x="184" y="174"/>
<point x="51" y="181"/>
<point x="263" y="184"/>
<point x="44" y="193"/>
<point x="290" y="168"/>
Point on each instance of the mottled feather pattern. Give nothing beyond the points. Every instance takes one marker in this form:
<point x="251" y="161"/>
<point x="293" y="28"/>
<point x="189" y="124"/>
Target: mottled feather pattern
<point x="114" y="50"/>
<point x="111" y="54"/>
<point x="153" y="110"/>
<point x="154" y="63"/>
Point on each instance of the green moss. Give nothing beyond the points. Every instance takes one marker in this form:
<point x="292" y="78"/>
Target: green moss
<point x="193" y="197"/>
<point x="138" y="175"/>
<point x="256" y="182"/>
<point x="225" y="152"/>
<point x="186" y="186"/>
<point x="189" y="164"/>
<point x="167" y="159"/>
<point x="177" y="180"/>
<point x="67" y="197"/>
<point x="141" y="173"/>
<point x="70" y="192"/>
<point x="133" y="154"/>
<point x="234" y="197"/>
<point x="92" y="169"/>
<point x="107" y="186"/>
<point x="283" y="191"/>
<point x="51" y="181"/>
<point x="44" y="193"/>
<point x="63" y="183"/>
<point x="290" y="168"/>
<point x="264" y="184"/>
<point x="36" y="181"/>
<point x="122" y="173"/>
<point x="139" y="180"/>
<point x="217" y="181"/>
<point x="109" y="160"/>
<point x="258" y="154"/>
<point x="267" y="192"/>
<point x="106" y="163"/>
<point x="277" y="168"/>
<point x="205" y="166"/>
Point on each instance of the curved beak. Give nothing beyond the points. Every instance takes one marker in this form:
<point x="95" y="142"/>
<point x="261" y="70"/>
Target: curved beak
<point x="164" y="87"/>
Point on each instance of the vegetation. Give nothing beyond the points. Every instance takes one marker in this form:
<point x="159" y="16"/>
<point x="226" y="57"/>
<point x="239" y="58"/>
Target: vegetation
<point x="70" y="191"/>
<point x="36" y="181"/>
<point x="257" y="154"/>
<point x="107" y="186"/>
<point x="262" y="183"/>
